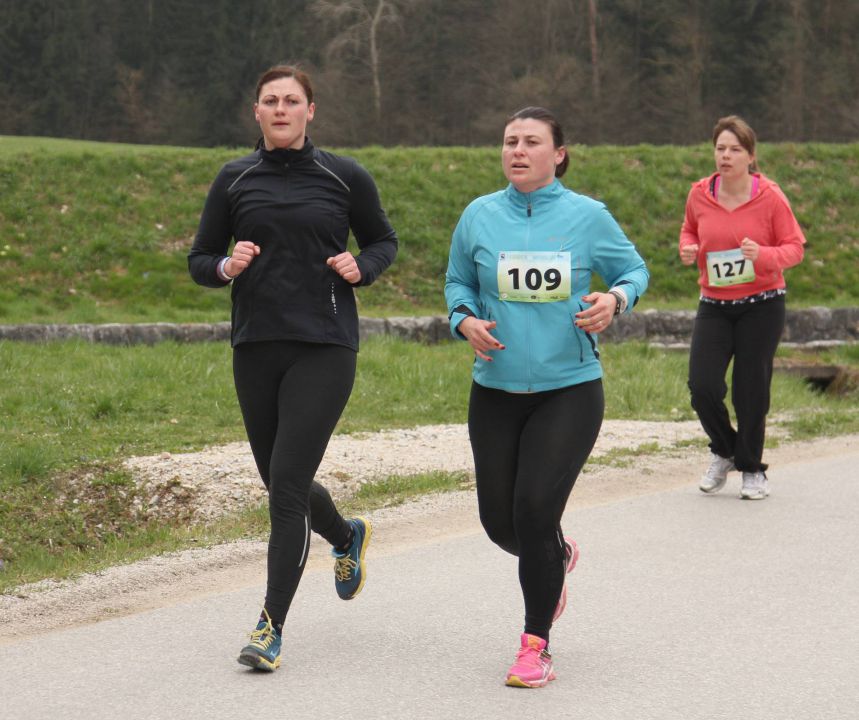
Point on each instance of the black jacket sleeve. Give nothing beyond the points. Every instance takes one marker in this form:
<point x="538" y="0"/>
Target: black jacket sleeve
<point x="214" y="234"/>
<point x="376" y="238"/>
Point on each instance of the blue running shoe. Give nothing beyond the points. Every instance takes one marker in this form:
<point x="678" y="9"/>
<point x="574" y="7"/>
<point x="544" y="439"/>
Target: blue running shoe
<point x="263" y="651"/>
<point x="349" y="570"/>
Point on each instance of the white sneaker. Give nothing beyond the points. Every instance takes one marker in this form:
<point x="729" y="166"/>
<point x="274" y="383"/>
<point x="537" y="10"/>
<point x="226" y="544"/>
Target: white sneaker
<point x="717" y="474"/>
<point x="755" y="486"/>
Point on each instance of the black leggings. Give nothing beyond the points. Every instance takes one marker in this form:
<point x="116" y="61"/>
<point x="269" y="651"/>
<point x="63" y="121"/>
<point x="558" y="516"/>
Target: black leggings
<point x="291" y="396"/>
<point x="528" y="452"/>
<point x="749" y="333"/>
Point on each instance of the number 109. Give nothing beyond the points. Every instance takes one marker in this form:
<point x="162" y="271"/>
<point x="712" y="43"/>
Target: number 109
<point x="534" y="279"/>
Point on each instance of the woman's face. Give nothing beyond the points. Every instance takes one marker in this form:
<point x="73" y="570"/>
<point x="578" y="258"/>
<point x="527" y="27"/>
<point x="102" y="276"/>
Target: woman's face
<point x="283" y="112"/>
<point x="529" y="155"/>
<point x="732" y="159"/>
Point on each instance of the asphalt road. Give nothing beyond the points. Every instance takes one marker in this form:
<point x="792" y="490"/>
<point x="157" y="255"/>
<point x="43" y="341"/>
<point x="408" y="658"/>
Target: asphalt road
<point x="682" y="606"/>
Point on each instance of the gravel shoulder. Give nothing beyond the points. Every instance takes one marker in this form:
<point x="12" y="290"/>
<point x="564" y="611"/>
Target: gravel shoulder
<point x="224" y="478"/>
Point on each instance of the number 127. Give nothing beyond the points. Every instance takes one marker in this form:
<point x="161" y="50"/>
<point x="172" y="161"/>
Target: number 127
<point x="729" y="268"/>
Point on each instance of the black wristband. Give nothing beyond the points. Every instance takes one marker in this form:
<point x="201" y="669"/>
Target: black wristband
<point x="618" y="301"/>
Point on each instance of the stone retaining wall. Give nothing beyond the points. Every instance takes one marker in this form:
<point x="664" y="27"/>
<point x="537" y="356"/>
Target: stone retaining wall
<point x="808" y="326"/>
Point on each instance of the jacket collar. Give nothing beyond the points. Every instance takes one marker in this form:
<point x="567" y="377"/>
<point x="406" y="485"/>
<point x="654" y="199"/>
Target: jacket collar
<point x="705" y="185"/>
<point x="287" y="156"/>
<point x="545" y="194"/>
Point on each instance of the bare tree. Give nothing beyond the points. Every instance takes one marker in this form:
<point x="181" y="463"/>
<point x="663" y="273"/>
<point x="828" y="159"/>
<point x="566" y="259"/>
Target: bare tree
<point x="795" y="90"/>
<point x="359" y="24"/>
<point x="595" y="64"/>
<point x="595" y="54"/>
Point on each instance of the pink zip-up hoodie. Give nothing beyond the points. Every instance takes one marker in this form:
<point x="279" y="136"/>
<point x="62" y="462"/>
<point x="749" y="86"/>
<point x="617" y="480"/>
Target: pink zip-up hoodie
<point x="766" y="218"/>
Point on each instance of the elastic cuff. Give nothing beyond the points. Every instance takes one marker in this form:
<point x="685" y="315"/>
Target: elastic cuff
<point x="622" y="299"/>
<point x="222" y="275"/>
<point x="457" y="315"/>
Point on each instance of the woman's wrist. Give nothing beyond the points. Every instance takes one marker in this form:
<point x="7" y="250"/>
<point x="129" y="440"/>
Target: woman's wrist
<point x="621" y="300"/>
<point x="222" y="270"/>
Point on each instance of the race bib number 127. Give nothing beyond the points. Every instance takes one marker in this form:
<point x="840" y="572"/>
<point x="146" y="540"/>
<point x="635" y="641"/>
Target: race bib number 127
<point x="533" y="276"/>
<point x="729" y="267"/>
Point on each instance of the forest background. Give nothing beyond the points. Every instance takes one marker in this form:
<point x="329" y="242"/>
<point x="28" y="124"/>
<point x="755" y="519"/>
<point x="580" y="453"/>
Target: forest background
<point x="431" y="72"/>
<point x="99" y="232"/>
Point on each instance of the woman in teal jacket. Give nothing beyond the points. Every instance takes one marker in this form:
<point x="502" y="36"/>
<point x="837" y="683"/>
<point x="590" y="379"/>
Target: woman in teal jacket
<point x="518" y="290"/>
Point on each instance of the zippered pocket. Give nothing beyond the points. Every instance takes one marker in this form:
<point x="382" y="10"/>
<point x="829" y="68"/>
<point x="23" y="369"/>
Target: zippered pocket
<point x="333" y="300"/>
<point x="579" y="332"/>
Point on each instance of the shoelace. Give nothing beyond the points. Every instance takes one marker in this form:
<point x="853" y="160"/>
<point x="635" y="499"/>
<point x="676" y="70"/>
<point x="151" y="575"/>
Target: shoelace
<point x="263" y="637"/>
<point x="343" y="567"/>
<point x="756" y="482"/>
<point x="531" y="656"/>
<point x="720" y="465"/>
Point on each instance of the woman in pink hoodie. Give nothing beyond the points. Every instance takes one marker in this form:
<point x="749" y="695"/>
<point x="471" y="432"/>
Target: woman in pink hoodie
<point x="740" y="231"/>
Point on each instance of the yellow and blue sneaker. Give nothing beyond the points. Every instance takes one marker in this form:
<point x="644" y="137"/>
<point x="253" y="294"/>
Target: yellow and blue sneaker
<point x="263" y="651"/>
<point x="349" y="570"/>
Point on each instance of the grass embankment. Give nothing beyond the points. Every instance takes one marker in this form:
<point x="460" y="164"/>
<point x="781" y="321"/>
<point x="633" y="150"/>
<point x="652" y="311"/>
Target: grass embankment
<point x="76" y="410"/>
<point x="93" y="232"/>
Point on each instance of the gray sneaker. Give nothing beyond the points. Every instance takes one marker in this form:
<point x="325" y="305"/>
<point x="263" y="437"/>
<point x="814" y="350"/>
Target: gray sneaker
<point x="717" y="474"/>
<point x="755" y="486"/>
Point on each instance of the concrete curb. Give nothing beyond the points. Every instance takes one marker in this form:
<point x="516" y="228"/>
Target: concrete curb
<point x="809" y="326"/>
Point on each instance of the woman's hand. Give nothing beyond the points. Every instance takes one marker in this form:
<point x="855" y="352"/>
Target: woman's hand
<point x="243" y="254"/>
<point x="346" y="267"/>
<point x="599" y="315"/>
<point x="477" y="333"/>
<point x="750" y="249"/>
<point x="688" y="254"/>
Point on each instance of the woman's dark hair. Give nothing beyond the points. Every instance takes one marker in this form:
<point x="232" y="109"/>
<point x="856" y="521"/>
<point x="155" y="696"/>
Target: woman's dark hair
<point x="743" y="131"/>
<point x="543" y="115"/>
<point x="282" y="71"/>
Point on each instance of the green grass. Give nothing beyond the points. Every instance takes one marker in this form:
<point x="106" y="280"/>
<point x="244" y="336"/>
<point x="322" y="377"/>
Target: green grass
<point x="13" y="146"/>
<point x="99" y="232"/>
<point x="397" y="489"/>
<point x="78" y="409"/>
<point x="625" y="457"/>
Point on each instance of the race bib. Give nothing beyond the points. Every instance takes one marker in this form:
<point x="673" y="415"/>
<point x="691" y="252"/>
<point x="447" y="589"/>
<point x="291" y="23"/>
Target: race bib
<point x="729" y="267"/>
<point x="533" y="276"/>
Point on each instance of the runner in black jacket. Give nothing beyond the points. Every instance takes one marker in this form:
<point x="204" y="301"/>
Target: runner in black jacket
<point x="297" y="206"/>
<point x="289" y="208"/>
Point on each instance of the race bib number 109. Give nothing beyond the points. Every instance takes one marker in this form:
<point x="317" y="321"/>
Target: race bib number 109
<point x="533" y="276"/>
<point x="729" y="267"/>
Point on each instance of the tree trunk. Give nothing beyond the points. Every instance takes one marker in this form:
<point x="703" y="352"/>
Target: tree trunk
<point x="596" y="120"/>
<point x="797" y="72"/>
<point x="374" y="62"/>
<point x="595" y="56"/>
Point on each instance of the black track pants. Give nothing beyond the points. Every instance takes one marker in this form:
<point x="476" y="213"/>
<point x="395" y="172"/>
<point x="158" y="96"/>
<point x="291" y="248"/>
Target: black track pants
<point x="528" y="452"/>
<point x="291" y="396"/>
<point x="749" y="333"/>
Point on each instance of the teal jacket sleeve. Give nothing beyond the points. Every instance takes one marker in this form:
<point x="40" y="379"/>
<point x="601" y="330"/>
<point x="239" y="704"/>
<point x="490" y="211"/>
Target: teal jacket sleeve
<point x="461" y="286"/>
<point x="615" y="258"/>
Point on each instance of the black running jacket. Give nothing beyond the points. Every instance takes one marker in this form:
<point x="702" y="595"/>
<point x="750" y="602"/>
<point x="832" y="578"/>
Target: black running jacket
<point x="298" y="206"/>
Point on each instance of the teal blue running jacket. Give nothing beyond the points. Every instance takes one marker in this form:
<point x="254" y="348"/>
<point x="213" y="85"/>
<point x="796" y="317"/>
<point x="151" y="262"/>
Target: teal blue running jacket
<point x="525" y="261"/>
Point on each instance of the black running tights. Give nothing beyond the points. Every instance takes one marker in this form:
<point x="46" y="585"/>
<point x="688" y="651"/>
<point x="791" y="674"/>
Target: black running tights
<point x="291" y="396"/>
<point x="528" y="452"/>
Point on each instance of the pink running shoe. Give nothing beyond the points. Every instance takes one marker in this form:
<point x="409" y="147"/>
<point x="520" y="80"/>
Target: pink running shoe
<point x="533" y="666"/>
<point x="572" y="551"/>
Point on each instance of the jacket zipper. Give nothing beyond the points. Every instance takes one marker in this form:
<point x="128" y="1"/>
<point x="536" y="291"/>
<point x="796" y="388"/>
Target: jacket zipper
<point x="528" y="316"/>
<point x="593" y="345"/>
<point x="588" y="336"/>
<point x="577" y="333"/>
